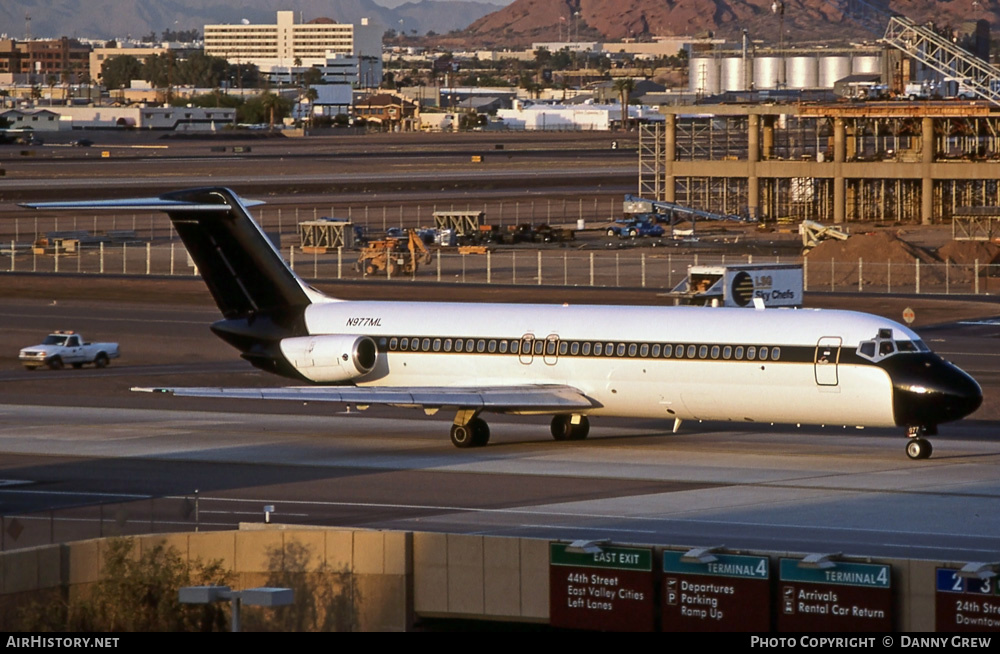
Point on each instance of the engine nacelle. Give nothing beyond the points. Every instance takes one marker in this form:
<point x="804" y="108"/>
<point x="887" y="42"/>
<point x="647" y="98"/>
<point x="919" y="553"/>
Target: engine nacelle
<point x="330" y="358"/>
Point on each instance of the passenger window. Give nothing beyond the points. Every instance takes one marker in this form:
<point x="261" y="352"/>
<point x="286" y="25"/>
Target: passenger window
<point x="679" y="352"/>
<point x="644" y="350"/>
<point x="691" y="351"/>
<point x="574" y="348"/>
<point x="775" y="353"/>
<point x="481" y="345"/>
<point x="491" y="346"/>
<point x="727" y="352"/>
<point x="715" y="351"/>
<point x="598" y="349"/>
<point x="763" y="354"/>
<point x="751" y="352"/>
<point x="703" y="352"/>
<point x="550" y="347"/>
<point x="393" y="343"/>
<point x="470" y="345"/>
<point x="459" y="344"/>
<point x="563" y="348"/>
<point x="503" y="347"/>
<point x="609" y="349"/>
<point x="668" y="349"/>
<point x="655" y="352"/>
<point x="739" y="352"/>
<point x="539" y="345"/>
<point x="621" y="349"/>
<point x="633" y="349"/>
<point x="426" y="346"/>
<point x="514" y="345"/>
<point x="415" y="344"/>
<point x="436" y="346"/>
<point x="447" y="345"/>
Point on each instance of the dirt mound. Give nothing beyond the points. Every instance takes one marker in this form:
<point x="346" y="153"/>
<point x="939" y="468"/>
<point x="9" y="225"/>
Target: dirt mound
<point x="878" y="247"/>
<point x="968" y="252"/>
<point x="883" y="255"/>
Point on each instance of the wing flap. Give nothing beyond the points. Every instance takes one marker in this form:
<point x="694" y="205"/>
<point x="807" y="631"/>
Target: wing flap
<point x="494" y="398"/>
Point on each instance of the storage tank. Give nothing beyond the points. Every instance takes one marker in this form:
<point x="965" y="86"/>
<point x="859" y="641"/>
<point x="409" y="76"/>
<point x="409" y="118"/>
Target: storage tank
<point x="733" y="72"/>
<point x="866" y="64"/>
<point x="704" y="75"/>
<point x="801" y="72"/>
<point x="833" y="68"/>
<point x="768" y="72"/>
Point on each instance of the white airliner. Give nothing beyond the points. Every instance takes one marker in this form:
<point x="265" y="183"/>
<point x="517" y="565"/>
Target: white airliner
<point x="571" y="362"/>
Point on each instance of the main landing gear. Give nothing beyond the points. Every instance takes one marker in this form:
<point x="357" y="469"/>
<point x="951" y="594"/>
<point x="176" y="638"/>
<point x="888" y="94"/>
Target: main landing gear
<point x="469" y="430"/>
<point x="918" y="447"/>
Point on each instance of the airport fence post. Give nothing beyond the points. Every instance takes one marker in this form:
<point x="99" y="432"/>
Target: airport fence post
<point x="642" y="262"/>
<point x="124" y="258"/>
<point x="617" y="270"/>
<point x="34" y="260"/>
<point x="947" y="278"/>
<point x="831" y="274"/>
<point x="860" y="272"/>
<point x="12" y="256"/>
<point x="463" y="267"/>
<point x="591" y="268"/>
<point x="439" y="265"/>
<point x="489" y="267"/>
<point x="888" y="276"/>
<point x="513" y="266"/>
<point x="565" y="269"/>
<point x="670" y="271"/>
<point x="539" y="267"/>
<point x="55" y="259"/>
<point x="291" y="256"/>
<point x="171" y="259"/>
<point x="315" y="263"/>
<point x="917" y="269"/>
<point x="975" y="274"/>
<point x="340" y="259"/>
<point x="149" y="255"/>
<point x="101" y="257"/>
<point x="805" y="274"/>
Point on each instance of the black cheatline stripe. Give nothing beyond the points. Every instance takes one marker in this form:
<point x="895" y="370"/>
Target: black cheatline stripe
<point x="788" y="353"/>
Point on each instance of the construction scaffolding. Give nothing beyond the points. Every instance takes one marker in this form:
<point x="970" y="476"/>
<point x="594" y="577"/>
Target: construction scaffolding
<point x="884" y="161"/>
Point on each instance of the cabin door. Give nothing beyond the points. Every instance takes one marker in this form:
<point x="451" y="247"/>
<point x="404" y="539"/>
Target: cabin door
<point x="826" y="359"/>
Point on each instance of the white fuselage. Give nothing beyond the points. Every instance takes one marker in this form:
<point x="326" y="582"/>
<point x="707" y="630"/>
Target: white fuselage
<point x="813" y="377"/>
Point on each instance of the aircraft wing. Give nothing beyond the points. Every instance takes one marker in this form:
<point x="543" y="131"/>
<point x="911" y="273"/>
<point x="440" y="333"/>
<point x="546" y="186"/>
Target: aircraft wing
<point x="500" y="399"/>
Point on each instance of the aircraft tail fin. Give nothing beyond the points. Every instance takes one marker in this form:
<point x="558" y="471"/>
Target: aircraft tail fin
<point x="241" y="267"/>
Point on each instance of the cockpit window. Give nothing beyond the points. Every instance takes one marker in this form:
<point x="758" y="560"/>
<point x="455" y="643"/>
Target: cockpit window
<point x="883" y="346"/>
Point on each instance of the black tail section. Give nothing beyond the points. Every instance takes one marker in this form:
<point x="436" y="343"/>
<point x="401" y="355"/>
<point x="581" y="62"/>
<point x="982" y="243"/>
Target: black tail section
<point x="243" y="271"/>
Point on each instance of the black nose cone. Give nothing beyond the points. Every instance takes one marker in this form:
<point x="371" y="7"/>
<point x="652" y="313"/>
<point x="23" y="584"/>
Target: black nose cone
<point x="927" y="390"/>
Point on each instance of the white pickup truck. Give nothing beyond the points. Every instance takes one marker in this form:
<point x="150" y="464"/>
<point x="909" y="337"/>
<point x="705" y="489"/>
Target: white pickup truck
<point x="62" y="348"/>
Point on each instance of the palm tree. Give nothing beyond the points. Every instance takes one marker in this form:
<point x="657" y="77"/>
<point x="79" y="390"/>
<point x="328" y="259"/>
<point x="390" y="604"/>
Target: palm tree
<point x="624" y="87"/>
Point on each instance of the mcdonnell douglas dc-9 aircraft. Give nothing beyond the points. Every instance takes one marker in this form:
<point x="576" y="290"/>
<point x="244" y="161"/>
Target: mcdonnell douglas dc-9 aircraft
<point x="571" y="362"/>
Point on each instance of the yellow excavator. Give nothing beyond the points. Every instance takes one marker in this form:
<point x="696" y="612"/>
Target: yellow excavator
<point x="393" y="256"/>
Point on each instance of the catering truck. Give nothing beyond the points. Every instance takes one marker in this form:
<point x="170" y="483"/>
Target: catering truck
<point x="63" y="348"/>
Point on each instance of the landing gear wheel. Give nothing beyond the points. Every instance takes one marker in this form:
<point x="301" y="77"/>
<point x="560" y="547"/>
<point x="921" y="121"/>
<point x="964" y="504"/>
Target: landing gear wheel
<point x="563" y="428"/>
<point x="480" y="432"/>
<point x="919" y="448"/>
<point x="461" y="435"/>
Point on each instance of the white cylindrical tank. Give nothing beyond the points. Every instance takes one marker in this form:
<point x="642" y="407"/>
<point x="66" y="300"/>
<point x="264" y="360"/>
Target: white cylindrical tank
<point x="801" y="72"/>
<point x="734" y="74"/>
<point x="866" y="64"/>
<point x="703" y="75"/>
<point x="833" y="68"/>
<point x="768" y="72"/>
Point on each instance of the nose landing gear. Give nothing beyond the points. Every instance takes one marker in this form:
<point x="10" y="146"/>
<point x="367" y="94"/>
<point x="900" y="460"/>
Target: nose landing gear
<point x="918" y="447"/>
